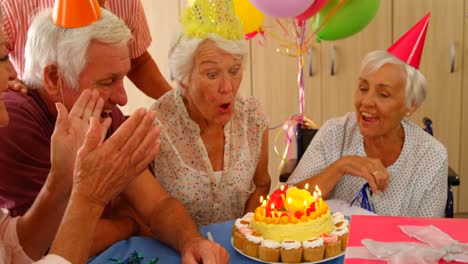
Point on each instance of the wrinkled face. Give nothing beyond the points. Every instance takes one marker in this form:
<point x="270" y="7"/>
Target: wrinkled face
<point x="7" y="73"/>
<point x="213" y="84"/>
<point x="379" y="101"/>
<point x="105" y="71"/>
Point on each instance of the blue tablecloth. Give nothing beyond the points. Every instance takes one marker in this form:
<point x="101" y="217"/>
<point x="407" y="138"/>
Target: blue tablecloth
<point x="151" y="248"/>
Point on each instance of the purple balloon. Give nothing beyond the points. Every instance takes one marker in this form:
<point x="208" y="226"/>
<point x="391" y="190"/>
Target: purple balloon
<point x="282" y="8"/>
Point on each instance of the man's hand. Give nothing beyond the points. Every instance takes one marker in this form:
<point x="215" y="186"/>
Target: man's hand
<point x="69" y="133"/>
<point x="104" y="169"/>
<point x="204" y="251"/>
<point x="17" y="86"/>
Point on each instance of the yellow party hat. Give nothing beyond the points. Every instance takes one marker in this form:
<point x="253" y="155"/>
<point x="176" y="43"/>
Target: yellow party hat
<point x="207" y="17"/>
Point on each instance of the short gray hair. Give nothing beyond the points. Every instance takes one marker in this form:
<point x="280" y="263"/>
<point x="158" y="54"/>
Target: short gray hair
<point x="415" y="83"/>
<point x="67" y="47"/>
<point x="181" y="56"/>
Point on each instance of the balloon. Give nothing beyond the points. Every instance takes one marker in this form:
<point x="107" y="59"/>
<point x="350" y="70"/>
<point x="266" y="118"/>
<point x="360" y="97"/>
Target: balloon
<point x="350" y="18"/>
<point x="251" y="18"/>
<point x="282" y="8"/>
<point x="312" y="10"/>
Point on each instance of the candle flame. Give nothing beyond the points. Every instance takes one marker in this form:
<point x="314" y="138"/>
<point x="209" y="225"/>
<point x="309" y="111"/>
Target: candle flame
<point x="307" y="186"/>
<point x="272" y="206"/>
<point x="282" y="187"/>
<point x="316" y="187"/>
<point x="261" y="198"/>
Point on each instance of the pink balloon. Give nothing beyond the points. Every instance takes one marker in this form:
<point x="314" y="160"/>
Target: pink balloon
<point x="312" y="10"/>
<point x="282" y="8"/>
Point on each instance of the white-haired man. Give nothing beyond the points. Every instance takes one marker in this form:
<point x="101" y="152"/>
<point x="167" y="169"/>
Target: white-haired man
<point x="60" y="64"/>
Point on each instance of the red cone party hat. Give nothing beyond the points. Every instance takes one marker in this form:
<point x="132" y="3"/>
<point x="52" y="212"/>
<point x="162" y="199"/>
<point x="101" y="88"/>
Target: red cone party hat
<point x="75" y="13"/>
<point x="410" y="46"/>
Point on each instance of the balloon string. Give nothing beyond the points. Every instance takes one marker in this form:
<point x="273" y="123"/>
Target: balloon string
<point x="289" y="127"/>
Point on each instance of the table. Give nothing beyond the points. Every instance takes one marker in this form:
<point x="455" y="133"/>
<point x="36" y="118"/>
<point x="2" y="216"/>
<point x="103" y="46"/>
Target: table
<point x="221" y="232"/>
<point x="151" y="248"/>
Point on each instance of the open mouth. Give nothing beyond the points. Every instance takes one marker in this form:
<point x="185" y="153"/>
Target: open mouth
<point x="106" y="114"/>
<point x="368" y="117"/>
<point x="225" y="106"/>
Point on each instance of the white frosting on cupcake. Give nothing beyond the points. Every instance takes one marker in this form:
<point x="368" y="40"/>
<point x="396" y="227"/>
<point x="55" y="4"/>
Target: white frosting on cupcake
<point x="241" y="222"/>
<point x="248" y="216"/>
<point x="340" y="231"/>
<point x="270" y="244"/>
<point x="245" y="231"/>
<point x="313" y="242"/>
<point x="337" y="216"/>
<point x="288" y="244"/>
<point x="341" y="223"/>
<point x="257" y="239"/>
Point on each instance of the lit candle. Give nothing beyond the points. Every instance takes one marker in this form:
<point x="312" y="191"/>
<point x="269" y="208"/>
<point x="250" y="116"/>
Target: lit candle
<point x="316" y="200"/>
<point x="264" y="207"/>
<point x="272" y="211"/>
<point x="305" y="207"/>
<point x="307" y="186"/>
<point x="289" y="207"/>
<point x="268" y="197"/>
<point x="320" y="196"/>
<point x="261" y="199"/>
<point x="282" y="187"/>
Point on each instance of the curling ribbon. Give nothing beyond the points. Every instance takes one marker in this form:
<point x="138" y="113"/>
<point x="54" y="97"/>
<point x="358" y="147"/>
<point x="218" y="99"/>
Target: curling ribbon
<point x="289" y="127"/>
<point x="362" y="197"/>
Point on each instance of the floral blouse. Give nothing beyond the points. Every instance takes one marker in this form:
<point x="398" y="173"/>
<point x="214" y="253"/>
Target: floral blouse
<point x="183" y="167"/>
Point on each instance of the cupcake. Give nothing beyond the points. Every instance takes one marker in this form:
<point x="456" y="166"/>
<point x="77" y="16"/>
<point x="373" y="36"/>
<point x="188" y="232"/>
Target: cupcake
<point x="337" y="216"/>
<point x="332" y="245"/>
<point x="240" y="222"/>
<point x="239" y="237"/>
<point x="269" y="250"/>
<point x="341" y="223"/>
<point x="342" y="234"/>
<point x="314" y="249"/>
<point x="291" y="251"/>
<point x="252" y="244"/>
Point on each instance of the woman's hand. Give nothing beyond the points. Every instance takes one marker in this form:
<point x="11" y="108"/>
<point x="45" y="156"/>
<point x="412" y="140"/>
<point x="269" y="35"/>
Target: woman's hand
<point x="204" y="251"/>
<point x="370" y="169"/>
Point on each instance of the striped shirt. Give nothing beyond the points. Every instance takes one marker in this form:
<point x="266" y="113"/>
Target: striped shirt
<point x="19" y="14"/>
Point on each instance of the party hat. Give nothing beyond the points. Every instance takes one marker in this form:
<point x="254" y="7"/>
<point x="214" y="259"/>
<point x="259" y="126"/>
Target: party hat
<point x="207" y="17"/>
<point x="410" y="46"/>
<point x="75" y="13"/>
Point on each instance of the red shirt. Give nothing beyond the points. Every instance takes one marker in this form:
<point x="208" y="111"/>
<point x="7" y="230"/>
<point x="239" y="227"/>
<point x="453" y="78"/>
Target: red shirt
<point x="25" y="149"/>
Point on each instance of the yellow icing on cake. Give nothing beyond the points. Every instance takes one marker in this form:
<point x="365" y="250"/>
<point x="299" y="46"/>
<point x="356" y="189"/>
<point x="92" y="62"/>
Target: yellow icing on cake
<point x="299" y="232"/>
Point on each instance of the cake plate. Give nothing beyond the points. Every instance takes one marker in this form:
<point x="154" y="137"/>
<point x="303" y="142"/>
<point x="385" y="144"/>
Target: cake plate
<point x="306" y="262"/>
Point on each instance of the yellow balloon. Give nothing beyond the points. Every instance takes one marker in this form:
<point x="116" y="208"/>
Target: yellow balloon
<point x="251" y="18"/>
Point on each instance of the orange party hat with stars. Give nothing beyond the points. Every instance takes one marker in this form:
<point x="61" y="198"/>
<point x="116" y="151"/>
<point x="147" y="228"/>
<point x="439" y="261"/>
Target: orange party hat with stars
<point x="410" y="46"/>
<point x="75" y="13"/>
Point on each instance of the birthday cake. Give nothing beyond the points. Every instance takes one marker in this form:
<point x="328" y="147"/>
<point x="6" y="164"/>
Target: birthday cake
<point x="291" y="225"/>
